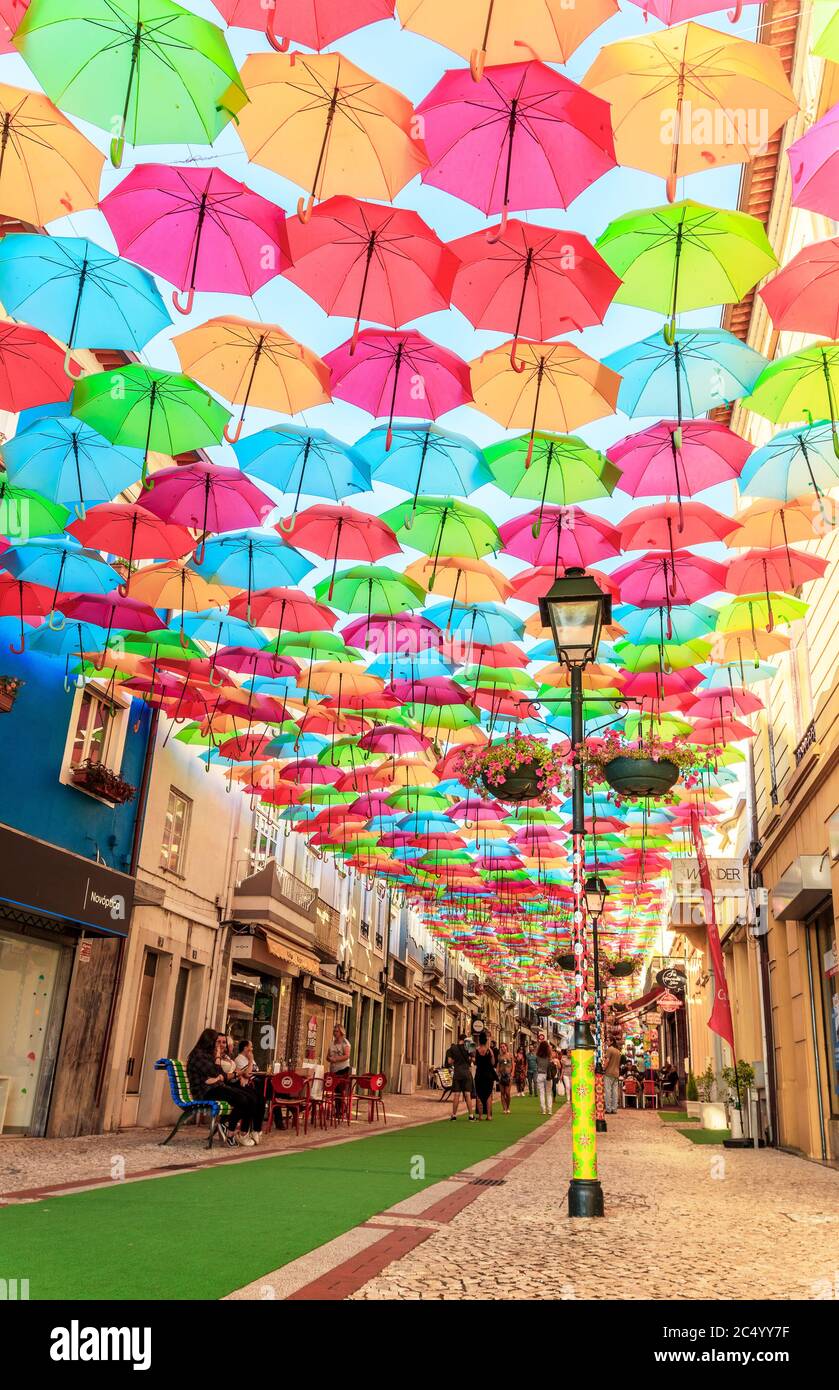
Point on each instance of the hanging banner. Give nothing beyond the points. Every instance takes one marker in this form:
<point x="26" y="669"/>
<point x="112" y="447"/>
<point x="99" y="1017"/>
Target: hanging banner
<point x="720" y="1020"/>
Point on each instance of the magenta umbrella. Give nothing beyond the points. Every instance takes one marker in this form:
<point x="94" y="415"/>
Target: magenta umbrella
<point x="814" y="163"/>
<point x="109" y="611"/>
<point x="722" y="704"/>
<point x="522" y="137"/>
<point x="394" y="740"/>
<point x="404" y="634"/>
<point x="207" y="497"/>
<point x="661" y="579"/>
<point x="197" y="228"/>
<point x="561" y="536"/>
<point x="676" y="11"/>
<point x="392" y="374"/>
<point x="678" y="460"/>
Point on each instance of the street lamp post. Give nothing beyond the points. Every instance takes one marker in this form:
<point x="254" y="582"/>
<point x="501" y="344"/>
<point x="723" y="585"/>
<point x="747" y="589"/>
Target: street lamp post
<point x="575" y="609"/>
<point x="596" y="892"/>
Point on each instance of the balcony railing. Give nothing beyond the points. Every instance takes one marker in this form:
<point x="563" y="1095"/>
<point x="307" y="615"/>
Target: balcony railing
<point x="399" y="973"/>
<point x="806" y="741"/>
<point x="327" y="928"/>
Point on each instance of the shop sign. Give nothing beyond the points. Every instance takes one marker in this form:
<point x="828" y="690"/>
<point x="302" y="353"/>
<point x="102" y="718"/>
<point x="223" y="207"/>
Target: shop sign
<point x="43" y="879"/>
<point x="673" y="978"/>
<point x="653" y="1019"/>
<point x="84" y="952"/>
<point x="311" y="1037"/>
<point x="831" y="961"/>
<point x="728" y="877"/>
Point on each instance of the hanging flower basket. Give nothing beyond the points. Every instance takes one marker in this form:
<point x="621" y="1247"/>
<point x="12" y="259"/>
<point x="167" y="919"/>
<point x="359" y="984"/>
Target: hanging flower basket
<point x="641" y="777"/>
<point x="102" y="781"/>
<point x="521" y="768"/>
<point x="9" y="687"/>
<point x="646" y="770"/>
<point x="623" y="966"/>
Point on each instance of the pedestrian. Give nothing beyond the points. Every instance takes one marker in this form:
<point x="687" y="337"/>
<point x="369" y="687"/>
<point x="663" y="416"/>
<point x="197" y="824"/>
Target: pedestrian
<point x="520" y="1071"/>
<point x="543" y="1079"/>
<point x="207" y="1081"/>
<point x="531" y="1070"/>
<point x="493" y="1047"/>
<point x="611" y="1077"/>
<point x="553" y="1072"/>
<point x="459" y="1059"/>
<point x="504" y="1067"/>
<point x="338" y="1060"/>
<point x="485" y="1077"/>
<point x="565" y="1072"/>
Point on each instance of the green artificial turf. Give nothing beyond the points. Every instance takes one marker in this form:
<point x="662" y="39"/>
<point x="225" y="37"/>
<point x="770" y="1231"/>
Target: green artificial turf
<point x="201" y="1235"/>
<point x="681" y="1117"/>
<point x="705" y="1136"/>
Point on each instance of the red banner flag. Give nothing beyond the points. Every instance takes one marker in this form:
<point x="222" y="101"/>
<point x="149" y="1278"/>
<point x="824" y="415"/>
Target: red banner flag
<point x="720" y="1020"/>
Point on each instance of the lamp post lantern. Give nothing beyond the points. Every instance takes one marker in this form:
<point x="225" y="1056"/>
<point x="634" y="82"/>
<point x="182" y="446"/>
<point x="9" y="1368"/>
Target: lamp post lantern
<point x="576" y="609"/>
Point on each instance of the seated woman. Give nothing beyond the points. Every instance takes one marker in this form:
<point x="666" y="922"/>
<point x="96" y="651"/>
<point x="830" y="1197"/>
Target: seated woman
<point x="207" y="1081"/>
<point x="245" y="1062"/>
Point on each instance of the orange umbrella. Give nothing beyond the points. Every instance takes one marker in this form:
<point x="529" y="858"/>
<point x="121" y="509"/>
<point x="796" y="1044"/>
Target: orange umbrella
<point x="497" y="31"/>
<point x="553" y="386"/>
<point x="249" y="362"/>
<point x="689" y="98"/>
<point x="769" y="523"/>
<point x="455" y="576"/>
<point x="320" y="121"/>
<point x="47" y="167"/>
<point x="173" y="585"/>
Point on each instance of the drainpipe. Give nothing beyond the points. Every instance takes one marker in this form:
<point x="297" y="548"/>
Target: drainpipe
<point x="136" y="841"/>
<point x="765" y="992"/>
<point x="816" y="1056"/>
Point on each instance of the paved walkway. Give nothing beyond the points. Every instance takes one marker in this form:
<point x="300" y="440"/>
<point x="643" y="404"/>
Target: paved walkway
<point x="34" y="1167"/>
<point x="682" y="1221"/>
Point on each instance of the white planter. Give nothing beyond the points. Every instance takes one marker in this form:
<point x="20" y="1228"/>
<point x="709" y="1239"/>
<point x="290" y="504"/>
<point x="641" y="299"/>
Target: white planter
<point x="694" y="1107"/>
<point x="713" y="1114"/>
<point x="735" y="1121"/>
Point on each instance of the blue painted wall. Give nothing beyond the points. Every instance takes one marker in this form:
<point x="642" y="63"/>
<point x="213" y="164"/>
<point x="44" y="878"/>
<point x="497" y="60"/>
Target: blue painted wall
<point x="32" y="740"/>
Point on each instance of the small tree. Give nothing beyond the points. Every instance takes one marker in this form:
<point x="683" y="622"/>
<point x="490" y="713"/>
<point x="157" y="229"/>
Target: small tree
<point x="742" y="1079"/>
<point x="692" y="1091"/>
<point x="705" y="1083"/>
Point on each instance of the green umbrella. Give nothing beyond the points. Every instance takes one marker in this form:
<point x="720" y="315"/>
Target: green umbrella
<point x="803" y="386"/>
<point x="145" y="408"/>
<point x="685" y="256"/>
<point x="497" y="678"/>
<point x="752" y="611"/>
<point x="442" y="526"/>
<point x="657" y="656"/>
<point x="371" y="589"/>
<point x="162" y="642"/>
<point x="562" y="469"/>
<point x="147" y="70"/>
<point x="24" y="514"/>
<point x="665" y="726"/>
<point x="418" y="799"/>
<point x="345" y="752"/>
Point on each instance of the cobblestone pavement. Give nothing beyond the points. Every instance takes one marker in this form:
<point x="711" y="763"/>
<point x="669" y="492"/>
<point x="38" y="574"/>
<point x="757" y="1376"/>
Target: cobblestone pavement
<point x="682" y="1221"/>
<point x="27" y="1164"/>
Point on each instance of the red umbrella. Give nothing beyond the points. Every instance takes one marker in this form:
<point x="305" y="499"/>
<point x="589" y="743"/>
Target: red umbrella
<point x="31" y="368"/>
<point x="369" y="261"/>
<point x="532" y="584"/>
<point x="534" y="281"/>
<point x="314" y="23"/>
<point x="804" y="296"/>
<point x="207" y="497"/>
<point x="394" y="740"/>
<point x="110" y="611"/>
<point x="659" y="684"/>
<point x="341" y="533"/>
<point x="720" y="704"/>
<point x="781" y="568"/>
<point x="660" y="580"/>
<point x="131" y="531"/>
<point x="245" y="749"/>
<point x="678" y="459"/>
<point x="562" y="537"/>
<point x="284" y="610"/>
<point x="522" y="137"/>
<point x="197" y="228"/>
<point x="250" y="661"/>
<point x="27" y="602"/>
<point x="392" y="374"/>
<point x="669" y="524"/>
<point x="720" y="731"/>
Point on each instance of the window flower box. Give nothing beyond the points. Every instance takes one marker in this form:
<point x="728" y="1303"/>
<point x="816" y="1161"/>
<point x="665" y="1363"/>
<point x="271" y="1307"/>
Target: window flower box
<point x="103" y="782"/>
<point x="9" y="687"/>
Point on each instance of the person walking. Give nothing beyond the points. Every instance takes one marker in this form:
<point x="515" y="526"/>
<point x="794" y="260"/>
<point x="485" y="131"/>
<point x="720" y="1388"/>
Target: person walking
<point x="504" y="1067"/>
<point x="553" y="1072"/>
<point x="485" y="1077"/>
<point x="611" y="1077"/>
<point x="543" y="1080"/>
<point x="520" y="1071"/>
<point x="531" y="1070"/>
<point x="459" y="1059"/>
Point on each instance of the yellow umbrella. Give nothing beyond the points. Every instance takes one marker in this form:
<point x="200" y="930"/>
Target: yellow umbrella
<point x="47" y="167"/>
<point x="553" y="386"/>
<point x="343" y="680"/>
<point x="469" y="581"/>
<point x="506" y="31"/>
<point x="689" y="98"/>
<point x="533" y="627"/>
<point x="249" y="362"/>
<point x="594" y="677"/>
<point x="320" y="121"/>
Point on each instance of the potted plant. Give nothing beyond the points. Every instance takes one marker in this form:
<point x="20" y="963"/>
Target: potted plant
<point x="102" y="781"/>
<point x="621" y="966"/>
<point x="738" y="1084"/>
<point x="648" y="768"/>
<point x="521" y="768"/>
<point x="692" y="1104"/>
<point x="9" y="687"/>
<point x="564" y="960"/>
<point x="712" y="1112"/>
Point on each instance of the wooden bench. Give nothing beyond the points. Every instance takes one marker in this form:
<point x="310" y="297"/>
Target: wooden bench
<point x="182" y="1096"/>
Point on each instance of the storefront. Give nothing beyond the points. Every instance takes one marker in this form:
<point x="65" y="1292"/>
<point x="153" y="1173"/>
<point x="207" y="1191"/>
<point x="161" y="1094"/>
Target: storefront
<point x="62" y="921"/>
<point x="325" y="1003"/>
<point x="265" y="998"/>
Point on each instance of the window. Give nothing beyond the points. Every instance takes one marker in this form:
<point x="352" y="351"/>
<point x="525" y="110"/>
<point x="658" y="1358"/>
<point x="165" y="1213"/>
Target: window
<point x="265" y="837"/>
<point x="175" y="831"/>
<point x="92" y="736"/>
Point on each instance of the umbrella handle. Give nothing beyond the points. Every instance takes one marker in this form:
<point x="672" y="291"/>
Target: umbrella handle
<point x="669" y="332"/>
<point x="735" y="14"/>
<point x="117" y="149"/>
<point x="232" y="438"/>
<point x="494" y="234"/>
<point x="476" y="63"/>
<point x="836" y="441"/>
<point x="52" y="624"/>
<point x="68" y="363"/>
<point x="671" y="188"/>
<point x="388" y="438"/>
<point x="214" y="678"/>
<point x="80" y="509"/>
<point x="186" y="307"/>
<point x="516" y="366"/>
<point x="18" y="649"/>
<point x="198" y="554"/>
<point x="287" y="529"/>
<point x="678" y="438"/>
<point x="354" y="338"/>
<point x="305" y="208"/>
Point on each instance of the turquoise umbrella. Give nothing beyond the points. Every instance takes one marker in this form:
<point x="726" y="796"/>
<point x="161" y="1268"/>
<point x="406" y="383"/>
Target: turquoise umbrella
<point x="703" y="368"/>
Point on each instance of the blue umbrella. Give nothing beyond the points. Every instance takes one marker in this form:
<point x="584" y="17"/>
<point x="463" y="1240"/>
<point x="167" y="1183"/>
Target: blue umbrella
<point x="62" y="564"/>
<point x="424" y="665"/>
<point x="796" y="462"/>
<point x="252" y="559"/>
<point x="71" y="640"/>
<point x="294" y="459"/>
<point x="424" y="458"/>
<point x="79" y="292"/>
<point x="705" y="368"/>
<point x="483" y="624"/>
<point x="215" y="626"/>
<point x="64" y="459"/>
<point x="646" y="625"/>
<point x="717" y="676"/>
<point x="299" y="745"/>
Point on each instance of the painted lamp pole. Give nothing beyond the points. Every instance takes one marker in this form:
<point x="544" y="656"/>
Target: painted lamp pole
<point x="575" y="609"/>
<point x="596" y="893"/>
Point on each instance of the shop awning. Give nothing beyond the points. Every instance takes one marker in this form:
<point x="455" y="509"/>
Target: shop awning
<point x="281" y="949"/>
<point x="646" y="1001"/>
<point x="335" y="996"/>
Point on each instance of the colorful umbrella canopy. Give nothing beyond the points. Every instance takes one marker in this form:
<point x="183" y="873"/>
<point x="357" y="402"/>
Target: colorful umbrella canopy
<point x="702" y="368"/>
<point x="794" y="462"/>
<point x="48" y="168"/>
<point x="315" y="23"/>
<point x="680" y="458"/>
<point x="295" y="460"/>
<point x="488" y="31"/>
<point x="803" y="386"/>
<point x="391" y="374"/>
<point x="66" y="460"/>
<point x="814" y="160"/>
<point x="207" y="497"/>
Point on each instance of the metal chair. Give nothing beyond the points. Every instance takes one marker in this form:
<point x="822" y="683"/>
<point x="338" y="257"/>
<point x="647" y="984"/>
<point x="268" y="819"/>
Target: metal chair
<point x="182" y="1096"/>
<point x="369" y="1088"/>
<point x="290" y="1092"/>
<point x="322" y="1107"/>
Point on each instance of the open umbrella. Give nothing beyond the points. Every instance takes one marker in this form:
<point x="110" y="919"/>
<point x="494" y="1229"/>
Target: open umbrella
<point x="158" y="71"/>
<point x="370" y="589"/>
<point x="298" y="459"/>
<point x="442" y="526"/>
<point x="814" y="163"/>
<point x="793" y="463"/>
<point x="79" y="293"/>
<point x="130" y="531"/>
<point x="365" y="261"/>
<point x="687" y="98"/>
<point x="670" y="524"/>
<point x="31" y="368"/>
<point x="804" y="296"/>
<point x="678" y="458"/>
<point x="553" y="385"/>
<point x="768" y="524"/>
<point x="657" y="580"/>
<point x="675" y="11"/>
<point x="251" y="559"/>
<point x="314" y="23"/>
<point x="523" y="136"/>
<point x="702" y="369"/>
<point x="250" y="362"/>
<point x="197" y="228"/>
<point x="803" y="386"/>
<point x="206" y="497"/>
<point x="780" y="568"/>
<point x="66" y="460"/>
<point x="560" y="536"/>
<point x="391" y="374"/>
<point x="110" y="611"/>
<point x="149" y="409"/>
<point x="60" y="564"/>
<point x="470" y="580"/>
<point x="417" y="457"/>
<point x="753" y="612"/>
<point x="561" y="469"/>
<point x="329" y="127"/>
<point x="280" y="609"/>
<point x="341" y="533"/>
<point x="47" y="167"/>
<point x="492" y="31"/>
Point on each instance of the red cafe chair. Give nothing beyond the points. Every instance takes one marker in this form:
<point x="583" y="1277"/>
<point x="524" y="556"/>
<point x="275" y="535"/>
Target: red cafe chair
<point x="322" y="1107"/>
<point x="289" y="1092"/>
<point x="650" y="1093"/>
<point x="342" y="1097"/>
<point x="369" y="1088"/>
<point x="630" y="1091"/>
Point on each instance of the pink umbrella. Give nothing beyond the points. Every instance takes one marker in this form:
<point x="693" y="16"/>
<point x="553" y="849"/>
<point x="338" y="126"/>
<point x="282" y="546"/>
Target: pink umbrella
<point x="564" y="536"/>
<point x="804" y="296"/>
<point x="248" y="661"/>
<point x="676" y="11"/>
<point x="660" y="684"/>
<point x="11" y="13"/>
<point x="404" y="634"/>
<point x="814" y="163"/>
<point x="667" y="524"/>
<point x="197" y="228"/>
<point x="109" y="611"/>
<point x="531" y="584"/>
<point x="522" y="137"/>
<point x="678" y="459"/>
<point x="719" y="704"/>
<point x="395" y="740"/>
<point x="314" y="23"/>
<point x="392" y="374"/>
<point x="660" y="580"/>
<point x="207" y="497"/>
<point x="721" y="731"/>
